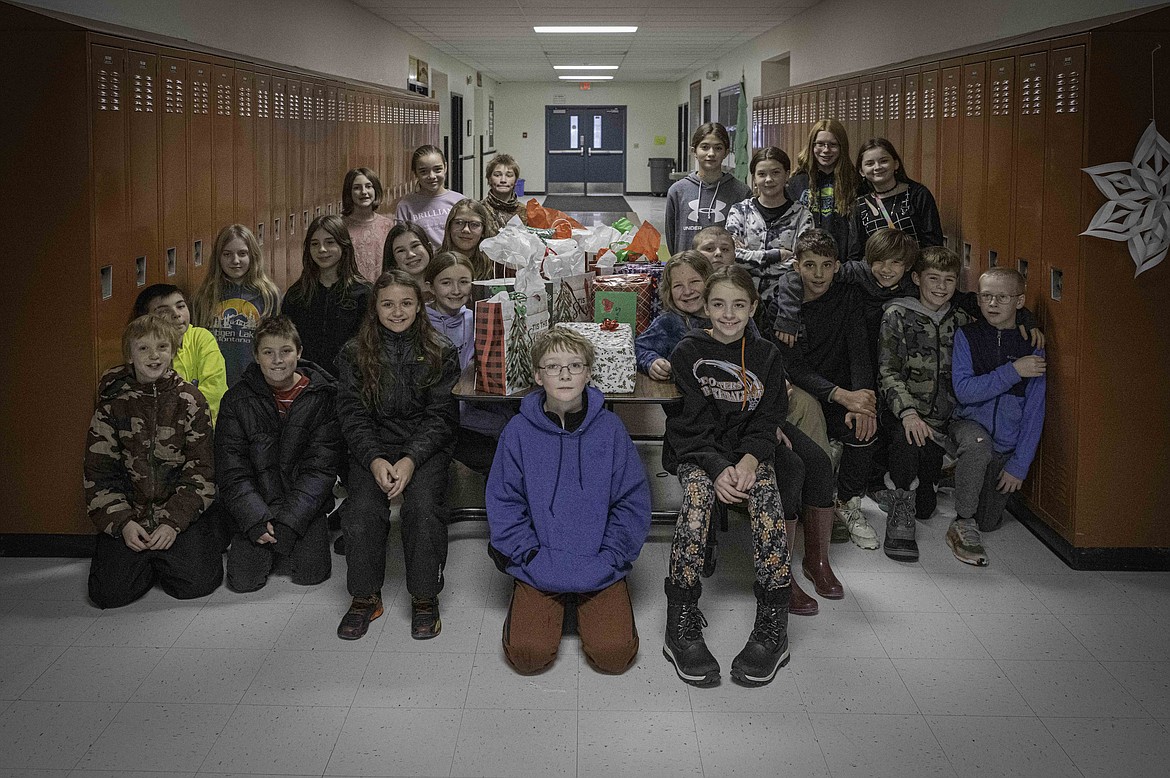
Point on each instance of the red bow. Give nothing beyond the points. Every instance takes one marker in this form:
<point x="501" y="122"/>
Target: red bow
<point x="609" y="325"/>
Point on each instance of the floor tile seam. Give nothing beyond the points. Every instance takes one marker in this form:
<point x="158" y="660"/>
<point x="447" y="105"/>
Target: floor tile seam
<point x="1080" y="642"/>
<point x="1047" y="610"/>
<point x="458" y="735"/>
<point x="98" y="736"/>
<point x="1106" y="665"/>
<point x="1094" y="660"/>
<point x="1060" y="745"/>
<point x="941" y="747"/>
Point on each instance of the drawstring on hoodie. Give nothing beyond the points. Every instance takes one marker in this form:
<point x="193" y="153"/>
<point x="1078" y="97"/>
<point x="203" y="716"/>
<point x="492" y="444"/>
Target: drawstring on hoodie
<point x="557" y="480"/>
<point x="743" y="370"/>
<point x="714" y="195"/>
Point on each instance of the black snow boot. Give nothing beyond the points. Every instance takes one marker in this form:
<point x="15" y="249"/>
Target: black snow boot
<point x="684" y="645"/>
<point x="767" y="647"/>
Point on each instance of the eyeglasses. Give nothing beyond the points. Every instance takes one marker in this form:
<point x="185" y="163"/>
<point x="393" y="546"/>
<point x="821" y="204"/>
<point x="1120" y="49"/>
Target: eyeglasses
<point x="822" y="144"/>
<point x="574" y="368"/>
<point x="1002" y="299"/>
<point x="463" y="224"/>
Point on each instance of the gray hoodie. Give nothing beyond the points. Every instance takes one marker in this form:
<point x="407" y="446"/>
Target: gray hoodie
<point x="692" y="205"/>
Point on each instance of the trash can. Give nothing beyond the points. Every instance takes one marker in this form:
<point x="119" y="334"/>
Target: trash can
<point x="660" y="170"/>
<point x="519" y="187"/>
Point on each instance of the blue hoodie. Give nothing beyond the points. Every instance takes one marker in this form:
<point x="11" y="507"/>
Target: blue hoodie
<point x="567" y="511"/>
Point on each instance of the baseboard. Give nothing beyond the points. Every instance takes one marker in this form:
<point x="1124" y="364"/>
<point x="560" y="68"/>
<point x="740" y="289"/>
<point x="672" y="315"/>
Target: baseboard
<point x="1115" y="559"/>
<point x="38" y="544"/>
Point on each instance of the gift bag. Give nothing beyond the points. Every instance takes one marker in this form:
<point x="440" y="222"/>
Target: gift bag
<point x="505" y="328"/>
<point x="654" y="270"/>
<point x="645" y="244"/>
<point x="613" y="346"/>
<point x="550" y="218"/>
<point x="625" y="298"/>
<point x="569" y="298"/>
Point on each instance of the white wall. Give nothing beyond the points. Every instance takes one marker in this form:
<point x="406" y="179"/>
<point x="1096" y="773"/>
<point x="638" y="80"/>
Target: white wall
<point x="837" y="37"/>
<point x="346" y="41"/>
<point x="650" y="112"/>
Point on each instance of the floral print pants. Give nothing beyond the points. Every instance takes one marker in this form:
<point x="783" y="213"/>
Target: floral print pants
<point x="694" y="521"/>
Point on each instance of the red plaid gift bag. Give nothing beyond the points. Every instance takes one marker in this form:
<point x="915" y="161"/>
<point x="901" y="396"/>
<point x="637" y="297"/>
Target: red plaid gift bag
<point x="652" y="269"/>
<point x="505" y="327"/>
<point x="616" y="287"/>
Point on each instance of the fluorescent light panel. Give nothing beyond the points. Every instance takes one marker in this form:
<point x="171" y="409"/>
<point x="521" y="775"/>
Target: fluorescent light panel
<point x="585" y="78"/>
<point x="573" y="28"/>
<point x="585" y="67"/>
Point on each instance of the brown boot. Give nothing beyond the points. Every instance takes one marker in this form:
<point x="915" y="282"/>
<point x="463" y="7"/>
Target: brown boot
<point x="818" y="525"/>
<point x="801" y="604"/>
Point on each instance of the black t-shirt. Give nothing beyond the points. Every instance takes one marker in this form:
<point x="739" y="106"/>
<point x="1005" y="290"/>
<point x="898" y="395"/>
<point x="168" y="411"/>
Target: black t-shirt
<point x="771" y="214"/>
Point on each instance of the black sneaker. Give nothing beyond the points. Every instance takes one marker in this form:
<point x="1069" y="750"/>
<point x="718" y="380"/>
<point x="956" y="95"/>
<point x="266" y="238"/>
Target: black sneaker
<point x="424" y="618"/>
<point x="684" y="646"/>
<point x="356" y="620"/>
<point x="766" y="650"/>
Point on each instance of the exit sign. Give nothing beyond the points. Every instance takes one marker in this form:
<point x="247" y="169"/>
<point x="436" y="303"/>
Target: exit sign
<point x="585" y="86"/>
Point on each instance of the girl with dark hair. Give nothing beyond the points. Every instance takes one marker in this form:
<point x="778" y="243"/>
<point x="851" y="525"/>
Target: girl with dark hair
<point x="428" y="207"/>
<point x="327" y="302"/>
<point x="361" y="196"/>
<point x="398" y="417"/>
<point x="703" y="197"/>
<point x="889" y="198"/>
<point x="409" y="248"/>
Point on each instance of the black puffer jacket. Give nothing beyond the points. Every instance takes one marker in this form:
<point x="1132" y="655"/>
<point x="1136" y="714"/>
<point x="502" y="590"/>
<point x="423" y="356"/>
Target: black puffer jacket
<point x="412" y="420"/>
<point x="272" y="470"/>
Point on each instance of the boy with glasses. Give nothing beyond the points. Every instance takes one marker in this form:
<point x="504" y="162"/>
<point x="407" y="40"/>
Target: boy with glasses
<point x="568" y="511"/>
<point x="999" y="384"/>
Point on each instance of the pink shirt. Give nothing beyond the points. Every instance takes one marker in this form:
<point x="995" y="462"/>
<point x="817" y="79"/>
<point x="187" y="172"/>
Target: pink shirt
<point x="428" y="212"/>
<point x="369" y="238"/>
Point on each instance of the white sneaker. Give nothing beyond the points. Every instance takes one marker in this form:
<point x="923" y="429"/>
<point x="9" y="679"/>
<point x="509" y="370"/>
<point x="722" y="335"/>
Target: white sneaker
<point x="860" y="530"/>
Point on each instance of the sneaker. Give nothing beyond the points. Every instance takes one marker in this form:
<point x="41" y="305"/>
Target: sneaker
<point x="424" y="618"/>
<point x="767" y="647"/>
<point x="965" y="542"/>
<point x="900" y="544"/>
<point x="860" y="532"/>
<point x="356" y="620"/>
<point x="839" y="533"/>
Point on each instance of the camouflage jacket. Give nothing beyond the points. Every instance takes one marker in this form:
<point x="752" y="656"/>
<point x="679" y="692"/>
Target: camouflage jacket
<point x="148" y="455"/>
<point x="914" y="367"/>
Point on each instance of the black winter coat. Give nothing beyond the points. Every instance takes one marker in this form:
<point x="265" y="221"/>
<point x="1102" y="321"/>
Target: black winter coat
<point x="412" y="420"/>
<point x="272" y="470"/>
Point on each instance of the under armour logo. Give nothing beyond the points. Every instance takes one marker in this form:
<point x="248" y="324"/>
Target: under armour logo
<point x="713" y="211"/>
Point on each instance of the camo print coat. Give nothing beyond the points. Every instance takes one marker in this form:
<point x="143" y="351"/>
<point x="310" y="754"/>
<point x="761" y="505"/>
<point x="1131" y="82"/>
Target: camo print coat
<point x="148" y="455"/>
<point x="915" y="362"/>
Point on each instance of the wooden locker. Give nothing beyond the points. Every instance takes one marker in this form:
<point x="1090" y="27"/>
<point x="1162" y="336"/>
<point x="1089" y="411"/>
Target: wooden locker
<point x="879" y="108"/>
<point x="831" y="103"/>
<point x="337" y="150"/>
<point x="822" y="105"/>
<point x="950" y="154"/>
<point x="201" y="221"/>
<point x="222" y="146"/>
<point x="1027" y="182"/>
<point x="996" y="223"/>
<point x="172" y="164"/>
<point x="310" y="185"/>
<point x="294" y="227"/>
<point x="864" y="111"/>
<point x="972" y="164"/>
<point x="263" y="165"/>
<point x="1060" y="267"/>
<point x="894" y="120"/>
<point x="852" y="122"/>
<point x="114" y="283"/>
<point x="244" y="147"/>
<point x="282" y="239"/>
<point x="842" y="110"/>
<point x="327" y="188"/>
<point x="928" y="127"/>
<point x="143" y="121"/>
<point x="911" y="148"/>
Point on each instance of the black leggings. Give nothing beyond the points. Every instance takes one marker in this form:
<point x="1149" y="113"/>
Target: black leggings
<point x="804" y="473"/>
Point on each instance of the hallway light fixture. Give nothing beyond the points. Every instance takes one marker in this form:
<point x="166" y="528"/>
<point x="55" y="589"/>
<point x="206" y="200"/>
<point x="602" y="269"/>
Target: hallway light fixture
<point x="585" y="78"/>
<point x="585" y="28"/>
<point x="585" y="67"/>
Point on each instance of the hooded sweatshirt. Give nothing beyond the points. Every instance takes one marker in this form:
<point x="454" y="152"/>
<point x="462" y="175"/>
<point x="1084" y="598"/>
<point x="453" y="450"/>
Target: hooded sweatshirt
<point x="914" y="367"/>
<point x="692" y="204"/>
<point x="733" y="399"/>
<point x="568" y="511"/>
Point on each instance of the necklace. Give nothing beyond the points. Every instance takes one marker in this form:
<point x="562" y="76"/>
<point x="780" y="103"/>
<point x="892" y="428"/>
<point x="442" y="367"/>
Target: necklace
<point x="892" y="188"/>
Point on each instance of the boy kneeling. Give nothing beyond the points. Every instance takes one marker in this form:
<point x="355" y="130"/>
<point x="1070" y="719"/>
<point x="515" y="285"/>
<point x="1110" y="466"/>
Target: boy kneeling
<point x="568" y="509"/>
<point x="148" y="475"/>
<point x="277" y="450"/>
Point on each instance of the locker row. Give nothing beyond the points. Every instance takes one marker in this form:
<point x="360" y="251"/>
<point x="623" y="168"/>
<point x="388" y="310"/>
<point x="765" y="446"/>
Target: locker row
<point x="184" y="144"/>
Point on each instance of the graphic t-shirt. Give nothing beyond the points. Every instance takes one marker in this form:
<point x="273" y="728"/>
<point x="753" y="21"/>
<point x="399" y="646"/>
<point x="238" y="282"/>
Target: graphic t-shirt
<point x="430" y="213"/>
<point x="236" y="318"/>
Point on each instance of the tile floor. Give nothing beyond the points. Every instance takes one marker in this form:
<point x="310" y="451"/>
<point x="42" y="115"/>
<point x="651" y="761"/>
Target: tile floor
<point x="1024" y="668"/>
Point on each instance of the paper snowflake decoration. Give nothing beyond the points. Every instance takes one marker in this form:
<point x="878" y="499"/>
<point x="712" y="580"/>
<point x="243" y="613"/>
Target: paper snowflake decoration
<point x="1138" y="206"/>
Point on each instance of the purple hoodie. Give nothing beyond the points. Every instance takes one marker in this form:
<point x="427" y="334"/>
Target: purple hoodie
<point x="567" y="511"/>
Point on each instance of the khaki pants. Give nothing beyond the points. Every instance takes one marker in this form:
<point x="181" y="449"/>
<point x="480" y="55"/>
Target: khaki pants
<point x="605" y="621"/>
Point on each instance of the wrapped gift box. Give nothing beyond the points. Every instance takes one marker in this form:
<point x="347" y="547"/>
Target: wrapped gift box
<point x="614" y="367"/>
<point x="652" y="269"/>
<point x="625" y="298"/>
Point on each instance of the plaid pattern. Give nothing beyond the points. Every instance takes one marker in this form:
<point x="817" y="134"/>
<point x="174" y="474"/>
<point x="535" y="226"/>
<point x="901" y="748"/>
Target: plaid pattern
<point x="490" y="369"/>
<point x="652" y="269"/>
<point x="639" y="283"/>
<point x="495" y="323"/>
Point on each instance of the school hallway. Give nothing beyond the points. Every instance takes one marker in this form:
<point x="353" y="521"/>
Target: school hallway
<point x="1023" y="668"/>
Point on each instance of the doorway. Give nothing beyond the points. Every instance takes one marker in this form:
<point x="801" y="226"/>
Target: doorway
<point x="455" y="159"/>
<point x="585" y="150"/>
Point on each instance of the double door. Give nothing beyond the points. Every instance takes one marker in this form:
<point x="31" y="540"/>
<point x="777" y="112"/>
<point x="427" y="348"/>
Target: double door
<point x="585" y="150"/>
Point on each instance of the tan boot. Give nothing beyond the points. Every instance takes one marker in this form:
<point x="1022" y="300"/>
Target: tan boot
<point x="801" y="604"/>
<point x="818" y="525"/>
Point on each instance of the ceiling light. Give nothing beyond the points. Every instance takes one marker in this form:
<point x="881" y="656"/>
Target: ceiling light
<point x="585" y="67"/>
<point x="585" y="78"/>
<point x="585" y="28"/>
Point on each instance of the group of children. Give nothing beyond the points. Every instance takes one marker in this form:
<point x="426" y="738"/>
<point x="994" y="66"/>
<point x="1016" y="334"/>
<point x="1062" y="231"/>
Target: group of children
<point x="775" y="347"/>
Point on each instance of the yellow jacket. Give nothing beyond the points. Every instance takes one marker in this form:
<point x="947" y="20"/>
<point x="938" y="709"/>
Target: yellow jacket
<point x="200" y="362"/>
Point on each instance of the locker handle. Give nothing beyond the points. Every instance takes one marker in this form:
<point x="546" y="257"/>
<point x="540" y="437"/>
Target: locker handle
<point x="172" y="261"/>
<point x="107" y="276"/>
<point x="1057" y="283"/>
<point x="1022" y="266"/>
<point x="966" y="254"/>
<point x="992" y="258"/>
<point x="197" y="254"/>
<point x="140" y="271"/>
